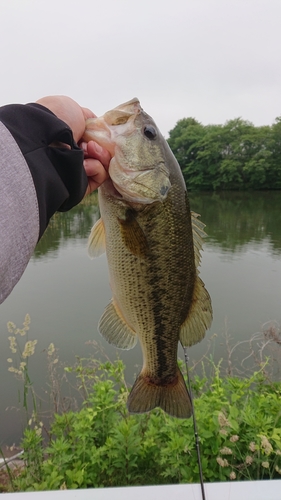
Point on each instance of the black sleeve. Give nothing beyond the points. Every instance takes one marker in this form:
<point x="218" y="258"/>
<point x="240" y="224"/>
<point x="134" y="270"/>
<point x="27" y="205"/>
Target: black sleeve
<point x="58" y="173"/>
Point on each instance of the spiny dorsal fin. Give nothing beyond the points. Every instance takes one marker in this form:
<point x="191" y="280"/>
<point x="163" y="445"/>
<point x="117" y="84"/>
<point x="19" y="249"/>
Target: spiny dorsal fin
<point x="199" y="317"/>
<point x="198" y="235"/>
<point x="96" y="241"/>
<point x="133" y="235"/>
<point x="114" y="328"/>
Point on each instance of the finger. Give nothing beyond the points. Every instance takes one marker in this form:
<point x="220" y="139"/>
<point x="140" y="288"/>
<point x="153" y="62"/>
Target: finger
<point x="88" y="113"/>
<point x="68" y="111"/>
<point x="95" y="172"/>
<point x="94" y="150"/>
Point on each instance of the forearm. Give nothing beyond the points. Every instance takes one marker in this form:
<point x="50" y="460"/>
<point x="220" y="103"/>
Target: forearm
<point x="57" y="172"/>
<point x="36" y="180"/>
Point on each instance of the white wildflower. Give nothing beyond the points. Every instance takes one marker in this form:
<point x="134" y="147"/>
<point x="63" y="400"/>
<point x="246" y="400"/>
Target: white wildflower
<point x="13" y="344"/>
<point x="266" y="445"/>
<point x="223" y="432"/>
<point x="29" y="348"/>
<point x="252" y="446"/>
<point x="26" y="322"/>
<point x="12" y="369"/>
<point x="226" y="451"/>
<point x="51" y="349"/>
<point x="223" y="422"/>
<point x="265" y="465"/>
<point x="222" y="462"/>
<point x="11" y="326"/>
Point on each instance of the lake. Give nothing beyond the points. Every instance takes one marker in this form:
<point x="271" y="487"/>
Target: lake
<point x="65" y="292"/>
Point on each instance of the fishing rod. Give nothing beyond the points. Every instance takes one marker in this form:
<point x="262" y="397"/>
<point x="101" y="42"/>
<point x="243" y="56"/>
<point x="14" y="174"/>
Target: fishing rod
<point x="194" y="426"/>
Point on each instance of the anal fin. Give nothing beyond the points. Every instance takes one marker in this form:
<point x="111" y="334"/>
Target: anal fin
<point x="115" y="330"/>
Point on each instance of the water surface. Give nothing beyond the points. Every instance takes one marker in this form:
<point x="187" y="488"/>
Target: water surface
<point x="65" y="292"/>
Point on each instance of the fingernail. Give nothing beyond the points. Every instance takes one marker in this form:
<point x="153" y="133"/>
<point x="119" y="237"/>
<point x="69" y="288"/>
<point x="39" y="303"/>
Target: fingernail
<point x="98" y="149"/>
<point x="83" y="146"/>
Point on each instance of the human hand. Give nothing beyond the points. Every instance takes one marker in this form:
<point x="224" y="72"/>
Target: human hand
<point x="96" y="158"/>
<point x="96" y="164"/>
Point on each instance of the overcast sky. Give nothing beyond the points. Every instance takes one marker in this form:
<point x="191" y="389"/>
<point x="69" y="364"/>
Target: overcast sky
<point x="210" y="59"/>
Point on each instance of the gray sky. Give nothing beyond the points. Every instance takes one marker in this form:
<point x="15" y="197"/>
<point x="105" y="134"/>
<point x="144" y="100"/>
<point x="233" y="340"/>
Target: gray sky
<point x="210" y="59"/>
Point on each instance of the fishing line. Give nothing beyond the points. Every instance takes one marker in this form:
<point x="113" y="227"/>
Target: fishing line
<point x="194" y="426"/>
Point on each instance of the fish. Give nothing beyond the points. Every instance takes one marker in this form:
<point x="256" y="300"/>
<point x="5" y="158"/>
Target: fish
<point x="153" y="246"/>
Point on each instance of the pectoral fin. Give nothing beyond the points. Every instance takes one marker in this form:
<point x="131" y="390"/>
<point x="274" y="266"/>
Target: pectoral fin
<point x="96" y="241"/>
<point x="133" y="235"/>
<point x="199" y="316"/>
<point x="115" y="330"/>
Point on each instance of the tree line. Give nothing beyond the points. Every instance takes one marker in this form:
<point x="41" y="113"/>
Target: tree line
<point x="233" y="156"/>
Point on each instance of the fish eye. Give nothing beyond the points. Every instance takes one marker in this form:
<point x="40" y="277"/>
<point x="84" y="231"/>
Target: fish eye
<point x="149" y="132"/>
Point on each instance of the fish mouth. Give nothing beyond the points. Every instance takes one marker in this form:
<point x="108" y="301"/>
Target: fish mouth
<point x="122" y="193"/>
<point x="118" y="193"/>
<point x="143" y="186"/>
<point x="102" y="129"/>
<point x="122" y="113"/>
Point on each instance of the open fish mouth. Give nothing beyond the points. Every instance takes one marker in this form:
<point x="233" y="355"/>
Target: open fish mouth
<point x="105" y="129"/>
<point x="121" y="114"/>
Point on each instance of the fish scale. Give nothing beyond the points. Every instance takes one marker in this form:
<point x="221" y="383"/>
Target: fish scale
<point x="153" y="245"/>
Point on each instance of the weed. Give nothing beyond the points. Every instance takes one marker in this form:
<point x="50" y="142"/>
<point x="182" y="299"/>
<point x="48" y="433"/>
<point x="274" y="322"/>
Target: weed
<point x="238" y="420"/>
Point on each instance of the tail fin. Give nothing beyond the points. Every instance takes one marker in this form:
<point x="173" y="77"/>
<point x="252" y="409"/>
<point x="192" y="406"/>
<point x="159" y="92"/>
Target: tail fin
<point x="173" y="398"/>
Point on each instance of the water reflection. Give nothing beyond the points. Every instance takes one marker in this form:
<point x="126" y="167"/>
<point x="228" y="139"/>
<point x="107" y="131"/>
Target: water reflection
<point x="234" y="219"/>
<point x="75" y="224"/>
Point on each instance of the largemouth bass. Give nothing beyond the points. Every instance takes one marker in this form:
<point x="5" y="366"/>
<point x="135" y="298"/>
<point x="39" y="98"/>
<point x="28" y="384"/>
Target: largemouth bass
<point x="153" y="244"/>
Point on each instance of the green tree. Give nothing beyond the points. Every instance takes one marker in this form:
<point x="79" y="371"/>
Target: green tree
<point x="233" y="156"/>
<point x="185" y="142"/>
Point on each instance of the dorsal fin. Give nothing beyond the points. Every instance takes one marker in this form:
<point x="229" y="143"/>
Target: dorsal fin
<point x="198" y="234"/>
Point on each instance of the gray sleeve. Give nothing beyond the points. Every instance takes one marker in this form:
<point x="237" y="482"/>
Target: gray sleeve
<point x="58" y="173"/>
<point x="19" y="215"/>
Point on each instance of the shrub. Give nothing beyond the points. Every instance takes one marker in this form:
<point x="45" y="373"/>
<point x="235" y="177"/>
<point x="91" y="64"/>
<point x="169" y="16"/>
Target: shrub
<point x="239" y="427"/>
<point x="238" y="421"/>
